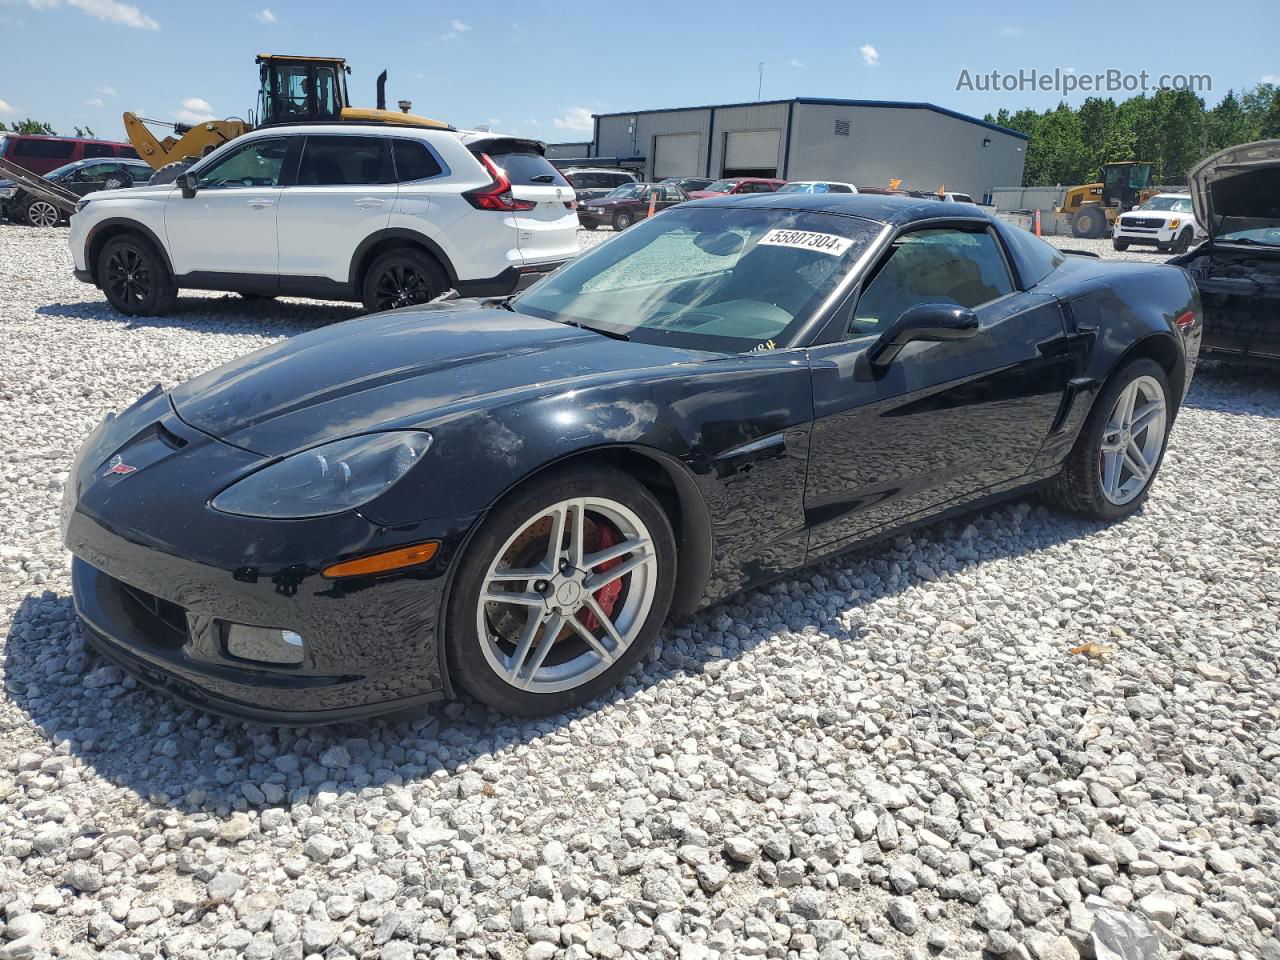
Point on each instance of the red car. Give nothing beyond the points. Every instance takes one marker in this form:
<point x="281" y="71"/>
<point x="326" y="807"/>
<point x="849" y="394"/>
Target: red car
<point x="40" y="154"/>
<point x="731" y="185"/>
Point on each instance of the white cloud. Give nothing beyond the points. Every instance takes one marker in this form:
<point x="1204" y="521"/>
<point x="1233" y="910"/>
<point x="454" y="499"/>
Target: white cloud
<point x="6" y="107"/>
<point x="1010" y="31"/>
<point x="456" y="29"/>
<point x="870" y="55"/>
<point x="797" y="62"/>
<point x="266" y="16"/>
<point x="574" y="118"/>
<point x="112" y="11"/>
<point x="93" y="102"/>
<point x="196" y="110"/>
<point x="1272" y="78"/>
<point x="107" y="91"/>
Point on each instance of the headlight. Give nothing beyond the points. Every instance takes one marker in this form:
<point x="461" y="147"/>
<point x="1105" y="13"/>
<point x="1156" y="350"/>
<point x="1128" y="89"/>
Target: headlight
<point x="81" y="204"/>
<point x="6" y="193"/>
<point x="327" y="479"/>
<point x="1173" y="224"/>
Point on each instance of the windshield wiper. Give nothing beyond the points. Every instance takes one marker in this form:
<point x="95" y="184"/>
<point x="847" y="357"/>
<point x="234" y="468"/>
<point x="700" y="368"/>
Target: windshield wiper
<point x="613" y="334"/>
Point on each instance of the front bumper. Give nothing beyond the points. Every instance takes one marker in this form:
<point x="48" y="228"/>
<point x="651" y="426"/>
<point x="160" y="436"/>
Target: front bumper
<point x="159" y="578"/>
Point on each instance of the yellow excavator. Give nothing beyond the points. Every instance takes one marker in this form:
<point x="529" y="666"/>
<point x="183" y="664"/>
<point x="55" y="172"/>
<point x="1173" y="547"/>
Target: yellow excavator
<point x="291" y="90"/>
<point x="1092" y="208"/>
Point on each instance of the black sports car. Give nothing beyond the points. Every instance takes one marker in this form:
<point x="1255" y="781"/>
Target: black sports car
<point x="511" y="496"/>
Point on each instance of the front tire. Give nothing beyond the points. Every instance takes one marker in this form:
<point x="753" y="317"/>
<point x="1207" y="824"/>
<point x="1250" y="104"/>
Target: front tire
<point x="400" y="278"/>
<point x="588" y="559"/>
<point x="1089" y="222"/>
<point x="588" y="226"/>
<point x="1121" y="446"/>
<point x="42" y="213"/>
<point x="1120" y="245"/>
<point x="134" y="277"/>
<point x="1181" y="242"/>
<point x="621" y="221"/>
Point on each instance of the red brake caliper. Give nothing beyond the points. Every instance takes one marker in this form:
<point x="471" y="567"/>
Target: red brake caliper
<point x="606" y="596"/>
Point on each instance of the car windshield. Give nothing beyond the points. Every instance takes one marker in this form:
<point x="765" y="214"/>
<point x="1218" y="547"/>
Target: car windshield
<point x="721" y="186"/>
<point x="722" y="279"/>
<point x="626" y="190"/>
<point x="1175" y="204"/>
<point x="1269" y="236"/>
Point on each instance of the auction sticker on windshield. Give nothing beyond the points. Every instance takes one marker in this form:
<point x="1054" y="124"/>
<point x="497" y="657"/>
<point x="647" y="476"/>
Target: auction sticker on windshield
<point x="807" y="240"/>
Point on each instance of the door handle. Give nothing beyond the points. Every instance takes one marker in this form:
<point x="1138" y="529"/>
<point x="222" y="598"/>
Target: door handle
<point x="258" y="203"/>
<point x="370" y="203"/>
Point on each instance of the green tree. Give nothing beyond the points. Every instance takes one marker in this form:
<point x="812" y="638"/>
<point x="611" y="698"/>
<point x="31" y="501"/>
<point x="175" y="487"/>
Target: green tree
<point x="32" y="126"/>
<point x="86" y="132"/>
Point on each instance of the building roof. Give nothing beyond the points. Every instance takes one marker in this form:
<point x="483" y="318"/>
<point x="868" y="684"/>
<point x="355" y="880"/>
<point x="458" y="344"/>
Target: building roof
<point x="828" y="101"/>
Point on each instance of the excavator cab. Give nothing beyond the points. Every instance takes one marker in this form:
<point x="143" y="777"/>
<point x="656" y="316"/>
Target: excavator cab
<point x="300" y="89"/>
<point x="1123" y="184"/>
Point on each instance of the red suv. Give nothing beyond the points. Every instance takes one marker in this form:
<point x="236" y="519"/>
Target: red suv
<point x="729" y="185"/>
<point x="41" y="154"/>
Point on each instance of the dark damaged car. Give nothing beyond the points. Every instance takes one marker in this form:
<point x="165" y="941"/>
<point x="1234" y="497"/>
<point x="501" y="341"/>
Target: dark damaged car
<point x="1236" y="195"/>
<point x="510" y="497"/>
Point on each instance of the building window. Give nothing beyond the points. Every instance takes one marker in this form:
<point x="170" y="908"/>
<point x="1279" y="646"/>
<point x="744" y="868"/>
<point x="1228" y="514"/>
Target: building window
<point x="842" y="127"/>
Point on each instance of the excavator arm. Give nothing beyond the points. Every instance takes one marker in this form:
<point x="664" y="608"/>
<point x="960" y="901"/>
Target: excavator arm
<point x="190" y="143"/>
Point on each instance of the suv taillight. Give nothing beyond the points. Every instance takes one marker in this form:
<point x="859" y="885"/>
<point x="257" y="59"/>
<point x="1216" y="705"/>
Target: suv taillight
<point x="497" y="195"/>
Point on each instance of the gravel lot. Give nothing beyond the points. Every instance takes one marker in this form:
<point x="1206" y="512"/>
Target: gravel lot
<point x="893" y="756"/>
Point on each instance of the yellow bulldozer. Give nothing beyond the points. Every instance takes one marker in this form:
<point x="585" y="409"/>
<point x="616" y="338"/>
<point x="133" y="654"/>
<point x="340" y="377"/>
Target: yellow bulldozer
<point x="291" y="90"/>
<point x="1092" y="208"/>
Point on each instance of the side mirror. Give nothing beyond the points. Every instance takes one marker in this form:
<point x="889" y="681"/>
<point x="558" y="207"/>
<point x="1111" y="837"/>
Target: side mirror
<point x="187" y="181"/>
<point x="931" y="322"/>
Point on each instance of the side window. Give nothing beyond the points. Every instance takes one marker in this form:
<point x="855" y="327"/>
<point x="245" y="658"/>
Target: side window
<point x="257" y="164"/>
<point x="414" y="161"/>
<point x="129" y="153"/>
<point x="140" y="172"/>
<point x="344" y="162"/>
<point x="1036" y="258"/>
<point x="618" y="179"/>
<point x="669" y="192"/>
<point x="45" y="149"/>
<point x="98" y="150"/>
<point x="933" y="266"/>
<point x="839" y="188"/>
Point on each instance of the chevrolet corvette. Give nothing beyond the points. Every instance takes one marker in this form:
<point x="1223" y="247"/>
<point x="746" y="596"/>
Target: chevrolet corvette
<point x="509" y="497"/>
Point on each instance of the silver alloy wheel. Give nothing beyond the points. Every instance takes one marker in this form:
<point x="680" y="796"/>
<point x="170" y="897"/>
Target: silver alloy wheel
<point x="42" y="213"/>
<point x="562" y="630"/>
<point x="1132" y="440"/>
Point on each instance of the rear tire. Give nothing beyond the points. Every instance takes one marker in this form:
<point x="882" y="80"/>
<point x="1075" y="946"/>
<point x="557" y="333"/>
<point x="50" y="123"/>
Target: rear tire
<point x="1111" y="440"/>
<point x="134" y="277"/>
<point x="401" y="277"/>
<point x="504" y="653"/>
<point x="621" y="221"/>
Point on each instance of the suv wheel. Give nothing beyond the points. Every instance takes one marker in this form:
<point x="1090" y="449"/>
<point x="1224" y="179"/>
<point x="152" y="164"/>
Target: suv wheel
<point x="135" y="278"/>
<point x="1182" y="241"/>
<point x="42" y="213"/>
<point x="400" y="278"/>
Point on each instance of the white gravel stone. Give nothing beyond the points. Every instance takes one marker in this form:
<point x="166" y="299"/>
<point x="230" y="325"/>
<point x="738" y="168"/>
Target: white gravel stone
<point x="881" y="755"/>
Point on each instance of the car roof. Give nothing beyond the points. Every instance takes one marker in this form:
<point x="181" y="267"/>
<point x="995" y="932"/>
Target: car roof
<point x="869" y="206"/>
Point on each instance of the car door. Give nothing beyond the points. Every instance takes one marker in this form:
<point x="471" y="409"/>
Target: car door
<point x="229" y="225"/>
<point x="942" y="421"/>
<point x="344" y="191"/>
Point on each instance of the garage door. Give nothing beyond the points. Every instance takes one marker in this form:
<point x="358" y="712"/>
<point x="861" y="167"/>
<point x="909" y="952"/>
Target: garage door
<point x="677" y="155"/>
<point x="753" y="150"/>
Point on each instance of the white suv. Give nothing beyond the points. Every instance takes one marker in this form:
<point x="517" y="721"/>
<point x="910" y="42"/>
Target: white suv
<point x="384" y="215"/>
<point x="1166" y="220"/>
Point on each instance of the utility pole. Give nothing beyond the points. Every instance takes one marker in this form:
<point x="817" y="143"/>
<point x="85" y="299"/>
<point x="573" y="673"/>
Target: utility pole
<point x="760" y="83"/>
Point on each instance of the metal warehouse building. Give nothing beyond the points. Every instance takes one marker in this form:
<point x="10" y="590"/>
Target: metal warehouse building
<point x="865" y="142"/>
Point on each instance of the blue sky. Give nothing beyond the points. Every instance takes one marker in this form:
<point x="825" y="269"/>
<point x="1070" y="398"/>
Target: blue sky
<point x="542" y="69"/>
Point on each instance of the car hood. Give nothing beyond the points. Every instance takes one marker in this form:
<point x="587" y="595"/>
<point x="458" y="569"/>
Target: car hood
<point x="1238" y="188"/>
<point x="404" y="368"/>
